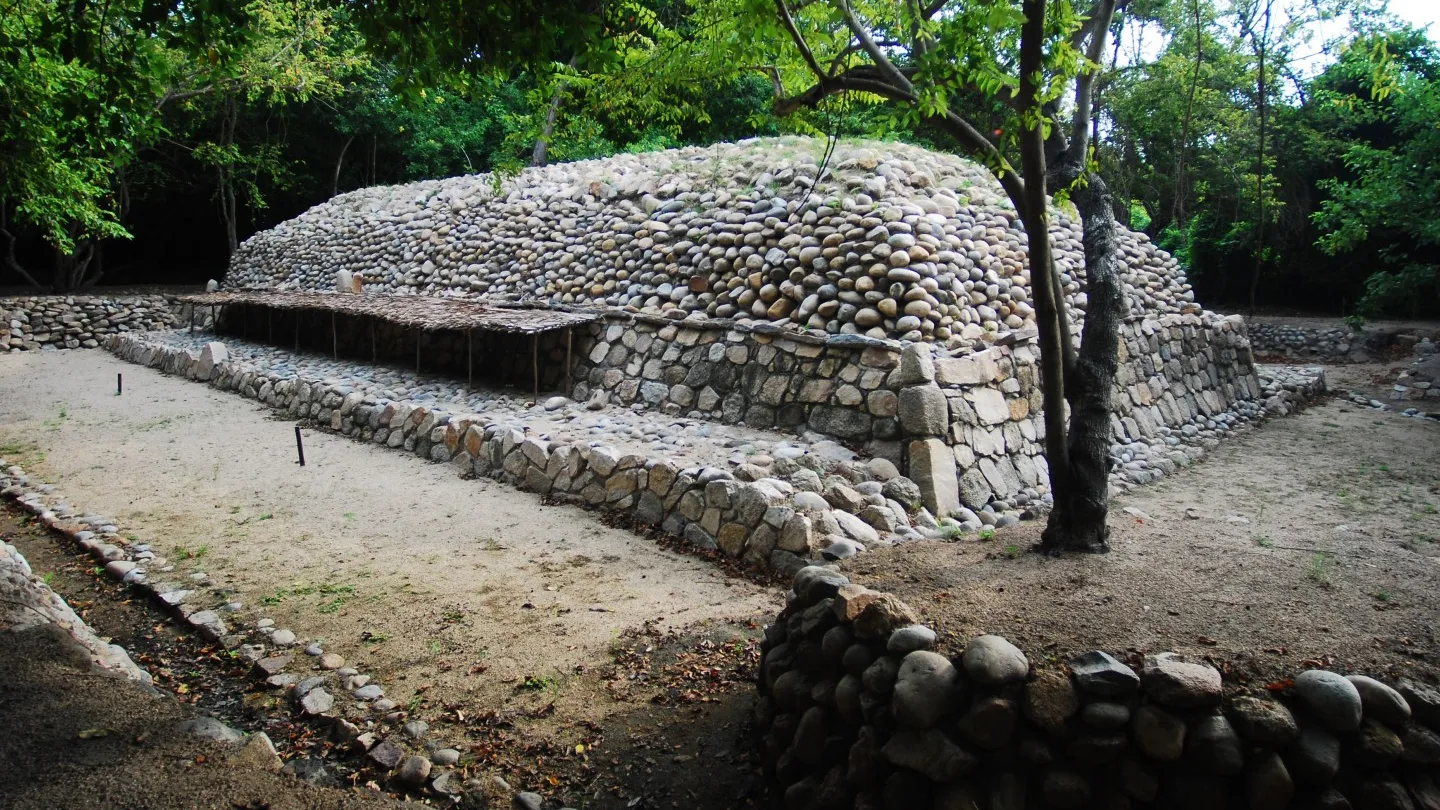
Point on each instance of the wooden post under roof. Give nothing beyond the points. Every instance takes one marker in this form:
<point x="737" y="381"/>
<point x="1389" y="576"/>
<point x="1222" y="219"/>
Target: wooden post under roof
<point x="334" y="338"/>
<point x="469" y="359"/>
<point x="419" y="333"/>
<point x="569" y="339"/>
<point x="374" y="357"/>
<point x="535" y="361"/>
<point x="269" y="325"/>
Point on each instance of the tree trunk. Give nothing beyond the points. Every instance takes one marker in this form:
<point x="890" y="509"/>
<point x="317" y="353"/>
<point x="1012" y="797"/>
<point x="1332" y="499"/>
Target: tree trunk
<point x="1078" y="519"/>
<point x="1050" y="318"/>
<point x="1261" y="45"/>
<point x="542" y="144"/>
<point x="225" y="188"/>
<point x="339" y="162"/>
<point x="70" y="268"/>
<point x="1177" y="208"/>
<point x="10" y="260"/>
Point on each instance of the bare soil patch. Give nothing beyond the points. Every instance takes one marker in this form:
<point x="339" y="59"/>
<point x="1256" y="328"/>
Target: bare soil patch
<point x="1313" y="537"/>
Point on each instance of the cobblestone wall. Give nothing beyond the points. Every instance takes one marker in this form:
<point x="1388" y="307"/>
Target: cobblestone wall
<point x="30" y="323"/>
<point x="965" y="425"/>
<point x="861" y="707"/>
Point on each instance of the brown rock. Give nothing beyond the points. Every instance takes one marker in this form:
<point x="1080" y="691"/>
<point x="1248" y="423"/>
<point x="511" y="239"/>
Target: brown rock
<point x="990" y="723"/>
<point x="1262" y="721"/>
<point x="274" y="664"/>
<point x="1050" y="700"/>
<point x="851" y="599"/>
<point x="258" y="753"/>
<point x="882" y="616"/>
<point x="1185" y="683"/>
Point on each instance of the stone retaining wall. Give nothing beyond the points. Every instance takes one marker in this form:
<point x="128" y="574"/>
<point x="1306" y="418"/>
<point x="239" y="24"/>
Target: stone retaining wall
<point x="1325" y="344"/>
<point x="814" y="512"/>
<point x="31" y="323"/>
<point x="858" y="709"/>
<point x="1336" y="344"/>
<point x="965" y="425"/>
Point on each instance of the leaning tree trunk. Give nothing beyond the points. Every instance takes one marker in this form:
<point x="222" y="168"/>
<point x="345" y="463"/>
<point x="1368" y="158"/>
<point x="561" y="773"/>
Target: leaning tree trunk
<point x="1078" y="519"/>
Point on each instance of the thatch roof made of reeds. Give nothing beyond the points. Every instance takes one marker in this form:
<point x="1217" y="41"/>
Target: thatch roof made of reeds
<point x="410" y="311"/>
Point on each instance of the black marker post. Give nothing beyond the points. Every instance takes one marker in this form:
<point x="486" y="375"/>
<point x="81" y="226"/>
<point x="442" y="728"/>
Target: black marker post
<point x="299" y="446"/>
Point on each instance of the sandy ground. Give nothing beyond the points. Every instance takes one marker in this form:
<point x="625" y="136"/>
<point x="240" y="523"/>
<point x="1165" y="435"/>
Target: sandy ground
<point x="1313" y="536"/>
<point x="462" y="590"/>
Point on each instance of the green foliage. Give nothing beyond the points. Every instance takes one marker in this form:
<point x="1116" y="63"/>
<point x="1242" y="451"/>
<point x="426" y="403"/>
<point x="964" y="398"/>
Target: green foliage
<point x="1384" y="96"/>
<point x="1344" y="216"/>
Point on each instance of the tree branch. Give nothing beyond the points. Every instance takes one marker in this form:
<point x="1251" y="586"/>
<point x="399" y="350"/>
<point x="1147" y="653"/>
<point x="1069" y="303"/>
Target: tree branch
<point x="1085" y="82"/>
<point x="866" y="79"/>
<point x="877" y="56"/>
<point x="783" y="10"/>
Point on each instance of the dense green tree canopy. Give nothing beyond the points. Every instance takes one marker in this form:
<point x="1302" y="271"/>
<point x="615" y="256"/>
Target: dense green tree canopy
<point x="118" y="120"/>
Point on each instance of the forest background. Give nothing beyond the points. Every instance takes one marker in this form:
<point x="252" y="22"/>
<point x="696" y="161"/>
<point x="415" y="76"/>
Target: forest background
<point x="1287" y="151"/>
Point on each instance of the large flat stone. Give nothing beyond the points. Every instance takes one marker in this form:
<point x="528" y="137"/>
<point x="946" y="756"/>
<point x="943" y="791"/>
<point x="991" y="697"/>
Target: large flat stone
<point x="932" y="468"/>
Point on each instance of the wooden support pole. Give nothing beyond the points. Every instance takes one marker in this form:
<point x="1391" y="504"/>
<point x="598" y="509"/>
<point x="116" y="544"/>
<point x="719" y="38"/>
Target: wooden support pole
<point x="569" y="341"/>
<point x="297" y="330"/>
<point x="469" y="359"/>
<point x="535" y="362"/>
<point x="334" y="339"/>
<point x="214" y="321"/>
<point x="192" y="319"/>
<point x="269" y="325"/>
<point x="419" y="333"/>
<point x="244" y="322"/>
<point x="374" y="357"/>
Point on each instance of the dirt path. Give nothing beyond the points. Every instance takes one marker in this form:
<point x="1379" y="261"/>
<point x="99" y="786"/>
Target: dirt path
<point x="1315" y="535"/>
<point x="460" y="590"/>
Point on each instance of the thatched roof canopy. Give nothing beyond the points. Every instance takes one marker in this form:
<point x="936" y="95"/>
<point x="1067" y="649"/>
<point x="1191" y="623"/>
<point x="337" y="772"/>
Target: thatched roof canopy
<point x="410" y="311"/>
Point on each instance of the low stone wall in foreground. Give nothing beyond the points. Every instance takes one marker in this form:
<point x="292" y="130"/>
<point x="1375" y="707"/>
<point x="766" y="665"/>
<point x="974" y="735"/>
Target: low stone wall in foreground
<point x="859" y="710"/>
<point x="31" y="323"/>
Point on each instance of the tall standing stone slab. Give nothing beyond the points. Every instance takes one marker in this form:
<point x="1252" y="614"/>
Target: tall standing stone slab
<point x="932" y="468"/>
<point x="211" y="356"/>
<point x="924" y="410"/>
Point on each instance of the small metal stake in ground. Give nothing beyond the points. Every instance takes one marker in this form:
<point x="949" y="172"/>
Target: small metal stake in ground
<point x="299" y="446"/>
<point x="119" y="384"/>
